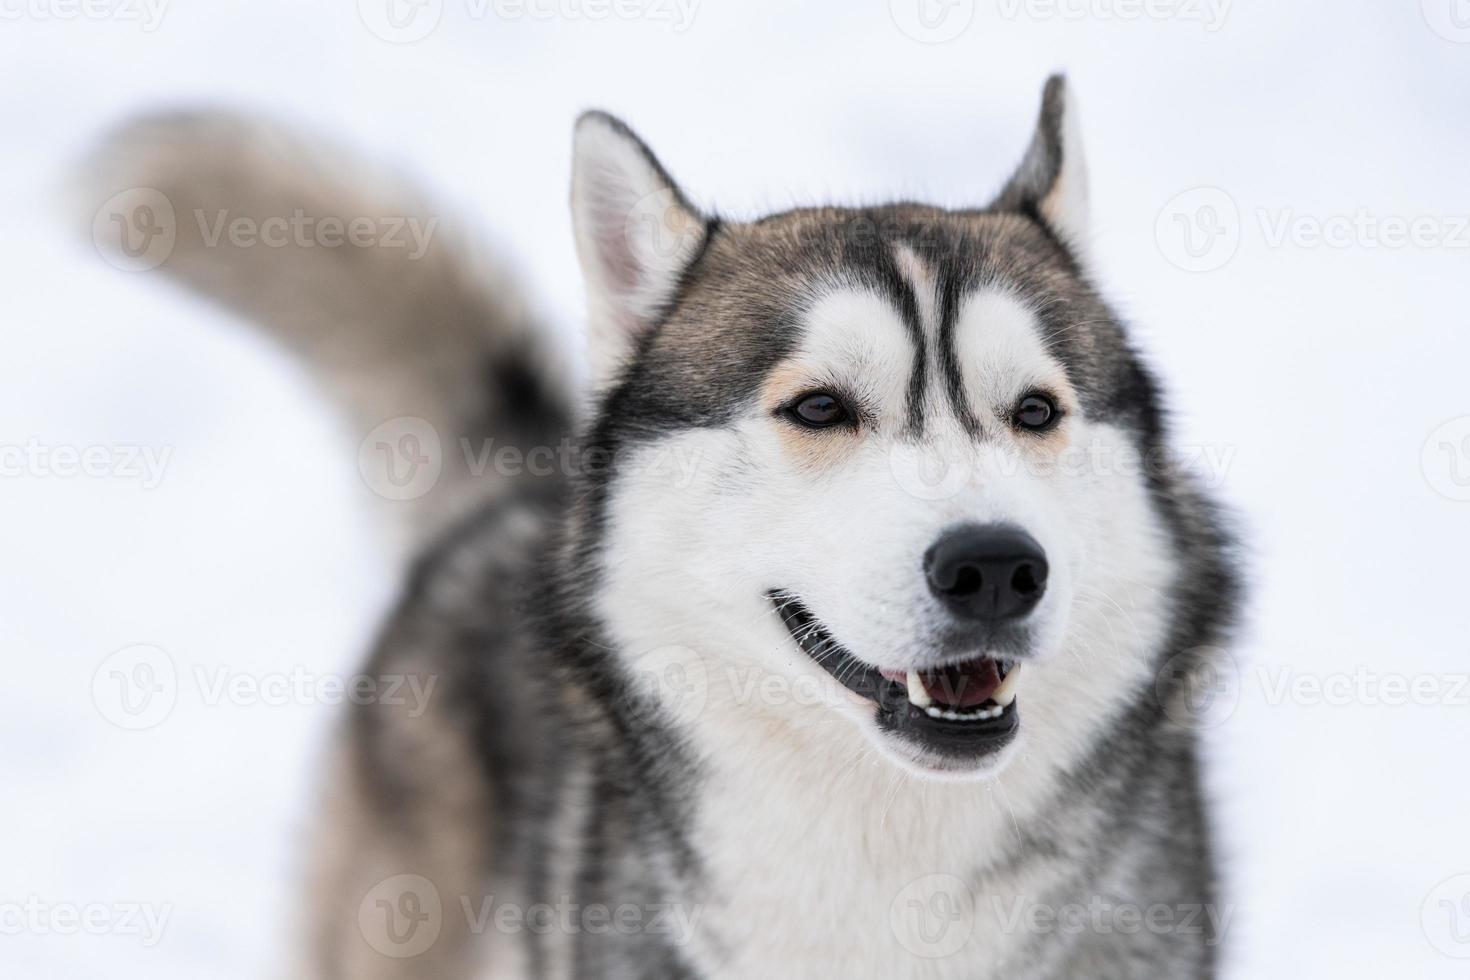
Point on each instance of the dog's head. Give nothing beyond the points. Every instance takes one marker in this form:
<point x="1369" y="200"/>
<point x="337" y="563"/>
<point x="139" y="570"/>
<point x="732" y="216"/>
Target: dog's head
<point x="895" y="449"/>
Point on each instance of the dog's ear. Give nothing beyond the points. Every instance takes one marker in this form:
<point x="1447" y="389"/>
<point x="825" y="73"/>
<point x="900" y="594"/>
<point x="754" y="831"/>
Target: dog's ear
<point x="636" y="235"/>
<point x="1051" y="182"/>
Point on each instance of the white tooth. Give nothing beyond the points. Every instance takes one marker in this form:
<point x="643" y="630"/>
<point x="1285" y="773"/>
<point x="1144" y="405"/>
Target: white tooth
<point x="917" y="695"/>
<point x="1006" y="693"/>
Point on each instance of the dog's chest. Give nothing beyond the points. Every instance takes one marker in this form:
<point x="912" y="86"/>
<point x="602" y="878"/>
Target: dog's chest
<point x="883" y="881"/>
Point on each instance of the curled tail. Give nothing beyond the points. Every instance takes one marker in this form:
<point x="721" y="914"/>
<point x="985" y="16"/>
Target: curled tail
<point x="416" y="332"/>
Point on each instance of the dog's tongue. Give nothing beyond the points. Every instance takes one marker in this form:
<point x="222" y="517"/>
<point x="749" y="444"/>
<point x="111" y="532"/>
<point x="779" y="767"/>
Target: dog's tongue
<point x="962" y="685"/>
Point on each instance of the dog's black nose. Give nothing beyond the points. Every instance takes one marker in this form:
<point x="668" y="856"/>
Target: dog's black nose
<point x="994" y="573"/>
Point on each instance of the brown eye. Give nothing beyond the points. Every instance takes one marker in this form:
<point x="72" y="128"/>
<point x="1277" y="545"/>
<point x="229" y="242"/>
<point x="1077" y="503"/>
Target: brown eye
<point x="1036" y="412"/>
<point x="819" y="411"/>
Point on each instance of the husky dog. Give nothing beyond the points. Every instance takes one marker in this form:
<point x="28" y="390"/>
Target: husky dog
<point x="839" y="638"/>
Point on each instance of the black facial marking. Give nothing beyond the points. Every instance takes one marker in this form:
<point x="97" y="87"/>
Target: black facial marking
<point x="950" y="291"/>
<point x="868" y="250"/>
<point x="908" y="308"/>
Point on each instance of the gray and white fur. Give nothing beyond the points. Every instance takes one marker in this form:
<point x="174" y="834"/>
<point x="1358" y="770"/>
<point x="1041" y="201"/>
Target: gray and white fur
<point x="628" y="718"/>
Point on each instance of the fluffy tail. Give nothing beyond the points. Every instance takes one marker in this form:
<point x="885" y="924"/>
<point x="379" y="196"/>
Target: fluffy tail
<point x="416" y="332"/>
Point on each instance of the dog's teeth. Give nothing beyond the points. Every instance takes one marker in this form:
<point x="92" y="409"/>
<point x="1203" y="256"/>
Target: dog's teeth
<point x="981" y="714"/>
<point x="918" y="696"/>
<point x="1006" y="693"/>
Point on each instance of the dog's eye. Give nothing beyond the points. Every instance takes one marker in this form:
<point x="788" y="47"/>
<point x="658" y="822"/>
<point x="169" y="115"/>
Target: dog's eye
<point x="1036" y="412"/>
<point x="819" y="410"/>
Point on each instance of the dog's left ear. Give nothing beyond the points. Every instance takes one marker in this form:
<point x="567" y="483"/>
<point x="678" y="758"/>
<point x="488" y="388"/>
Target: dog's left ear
<point x="1051" y="181"/>
<point x="636" y="235"/>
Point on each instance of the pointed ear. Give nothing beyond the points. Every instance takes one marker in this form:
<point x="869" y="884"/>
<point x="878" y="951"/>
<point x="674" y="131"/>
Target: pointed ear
<point x="636" y="235"/>
<point x="1051" y="181"/>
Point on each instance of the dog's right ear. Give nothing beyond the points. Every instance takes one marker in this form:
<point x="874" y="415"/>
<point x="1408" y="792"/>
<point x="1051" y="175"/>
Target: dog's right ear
<point x="1051" y="182"/>
<point x="636" y="235"/>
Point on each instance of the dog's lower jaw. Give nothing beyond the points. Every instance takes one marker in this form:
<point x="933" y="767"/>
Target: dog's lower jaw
<point x="925" y="765"/>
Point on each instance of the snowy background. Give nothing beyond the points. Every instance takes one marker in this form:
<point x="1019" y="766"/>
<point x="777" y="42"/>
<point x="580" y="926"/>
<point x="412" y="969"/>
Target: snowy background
<point x="1279" y="200"/>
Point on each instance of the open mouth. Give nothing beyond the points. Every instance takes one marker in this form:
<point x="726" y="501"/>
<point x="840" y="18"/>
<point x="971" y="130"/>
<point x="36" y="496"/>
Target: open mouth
<point x="963" y="709"/>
